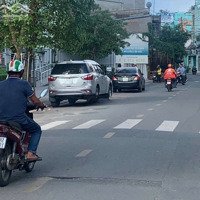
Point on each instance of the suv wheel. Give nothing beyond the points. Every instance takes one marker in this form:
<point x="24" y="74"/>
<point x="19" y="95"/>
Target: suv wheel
<point x="55" y="103"/>
<point x="72" y="101"/>
<point x="110" y="91"/>
<point x="96" y="98"/>
<point x="140" y="88"/>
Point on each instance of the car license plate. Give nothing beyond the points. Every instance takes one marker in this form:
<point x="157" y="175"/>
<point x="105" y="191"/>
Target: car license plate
<point x="125" y="79"/>
<point x="2" y="142"/>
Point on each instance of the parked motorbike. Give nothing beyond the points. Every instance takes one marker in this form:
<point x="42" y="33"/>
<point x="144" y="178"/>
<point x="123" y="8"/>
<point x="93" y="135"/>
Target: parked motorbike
<point x="13" y="147"/>
<point x="194" y="70"/>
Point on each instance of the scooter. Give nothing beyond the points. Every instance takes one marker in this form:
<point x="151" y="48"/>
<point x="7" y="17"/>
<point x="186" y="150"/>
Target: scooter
<point x="168" y="85"/>
<point x="13" y="147"/>
<point x="181" y="78"/>
<point x="194" y="70"/>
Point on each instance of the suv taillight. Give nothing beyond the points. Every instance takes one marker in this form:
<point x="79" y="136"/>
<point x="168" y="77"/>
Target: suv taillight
<point x="51" y="78"/>
<point x="136" y="78"/>
<point x="114" y="78"/>
<point x="88" y="77"/>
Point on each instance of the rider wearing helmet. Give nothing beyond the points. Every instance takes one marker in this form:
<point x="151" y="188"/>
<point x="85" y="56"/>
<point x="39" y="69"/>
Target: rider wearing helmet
<point x="15" y="93"/>
<point x="170" y="73"/>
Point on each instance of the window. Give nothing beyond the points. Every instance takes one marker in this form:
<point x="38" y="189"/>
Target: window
<point x="130" y="70"/>
<point x="70" y="69"/>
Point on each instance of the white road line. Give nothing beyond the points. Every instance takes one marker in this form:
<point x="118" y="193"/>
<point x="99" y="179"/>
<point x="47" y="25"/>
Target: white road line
<point x="140" y="116"/>
<point x="164" y="101"/>
<point x="39" y="183"/>
<point x="89" y="124"/>
<point x="52" y="125"/>
<point x="84" y="153"/>
<point x="150" y="109"/>
<point x="109" y="135"/>
<point x="168" y="126"/>
<point x="158" y="104"/>
<point x="128" y="124"/>
<point x="170" y="97"/>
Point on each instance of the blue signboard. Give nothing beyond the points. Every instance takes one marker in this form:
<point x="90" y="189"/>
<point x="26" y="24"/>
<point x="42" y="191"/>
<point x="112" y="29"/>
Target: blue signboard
<point x="136" y="46"/>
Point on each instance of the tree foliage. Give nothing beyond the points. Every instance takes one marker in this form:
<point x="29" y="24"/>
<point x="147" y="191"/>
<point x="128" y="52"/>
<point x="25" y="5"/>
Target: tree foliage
<point x="77" y="26"/>
<point x="169" y="43"/>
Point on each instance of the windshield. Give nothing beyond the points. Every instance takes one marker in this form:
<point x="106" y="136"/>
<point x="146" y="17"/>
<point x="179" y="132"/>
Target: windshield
<point x="70" y="69"/>
<point x="130" y="70"/>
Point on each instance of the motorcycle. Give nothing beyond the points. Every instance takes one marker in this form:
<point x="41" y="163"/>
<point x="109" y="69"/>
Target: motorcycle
<point x="194" y="70"/>
<point x="168" y="85"/>
<point x="181" y="78"/>
<point x="14" y="146"/>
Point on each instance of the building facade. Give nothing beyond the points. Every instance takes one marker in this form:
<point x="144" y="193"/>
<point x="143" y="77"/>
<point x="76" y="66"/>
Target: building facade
<point x="114" y="5"/>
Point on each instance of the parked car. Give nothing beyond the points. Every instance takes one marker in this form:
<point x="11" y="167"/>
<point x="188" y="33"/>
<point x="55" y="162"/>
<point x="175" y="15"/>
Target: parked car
<point x="128" y="78"/>
<point x="73" y="80"/>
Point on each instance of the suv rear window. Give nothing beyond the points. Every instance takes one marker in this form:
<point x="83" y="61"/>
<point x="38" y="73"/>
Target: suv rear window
<point x="131" y="70"/>
<point x="70" y="69"/>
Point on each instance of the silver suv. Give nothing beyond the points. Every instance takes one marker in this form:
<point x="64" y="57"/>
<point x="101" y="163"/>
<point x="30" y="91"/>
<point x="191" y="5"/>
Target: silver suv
<point x="73" y="80"/>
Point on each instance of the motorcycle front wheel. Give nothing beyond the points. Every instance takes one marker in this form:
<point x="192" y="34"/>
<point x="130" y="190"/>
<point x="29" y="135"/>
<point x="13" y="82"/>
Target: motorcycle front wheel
<point x="5" y="173"/>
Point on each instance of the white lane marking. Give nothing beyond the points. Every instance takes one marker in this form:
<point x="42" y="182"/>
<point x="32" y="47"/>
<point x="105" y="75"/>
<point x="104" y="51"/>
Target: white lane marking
<point x="168" y="126"/>
<point x="109" y="135"/>
<point x="170" y="97"/>
<point x="158" y="104"/>
<point x="140" y="116"/>
<point x="196" y="81"/>
<point x="128" y="124"/>
<point x="89" y="124"/>
<point x="164" y="101"/>
<point x="150" y="109"/>
<point x="52" y="125"/>
<point x="84" y="153"/>
<point x="39" y="183"/>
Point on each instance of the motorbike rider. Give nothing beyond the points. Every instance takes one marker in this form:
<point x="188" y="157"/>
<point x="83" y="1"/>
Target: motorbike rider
<point x="182" y="71"/>
<point x="159" y="73"/>
<point x="15" y="93"/>
<point x="170" y="73"/>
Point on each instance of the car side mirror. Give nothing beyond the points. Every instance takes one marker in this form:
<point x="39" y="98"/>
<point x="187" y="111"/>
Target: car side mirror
<point x="43" y="93"/>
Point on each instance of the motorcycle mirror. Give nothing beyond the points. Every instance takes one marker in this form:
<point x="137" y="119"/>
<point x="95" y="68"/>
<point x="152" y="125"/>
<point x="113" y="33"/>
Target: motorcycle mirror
<point x="43" y="93"/>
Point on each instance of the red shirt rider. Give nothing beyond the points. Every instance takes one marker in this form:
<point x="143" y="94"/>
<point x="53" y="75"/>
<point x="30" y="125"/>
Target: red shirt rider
<point x="169" y="73"/>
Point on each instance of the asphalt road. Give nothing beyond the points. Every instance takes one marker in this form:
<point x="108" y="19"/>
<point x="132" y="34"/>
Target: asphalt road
<point x="136" y="146"/>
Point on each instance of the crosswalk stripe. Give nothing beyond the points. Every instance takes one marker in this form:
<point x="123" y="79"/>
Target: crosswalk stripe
<point x="89" y="124"/>
<point x="128" y="124"/>
<point x="168" y="126"/>
<point x="52" y="125"/>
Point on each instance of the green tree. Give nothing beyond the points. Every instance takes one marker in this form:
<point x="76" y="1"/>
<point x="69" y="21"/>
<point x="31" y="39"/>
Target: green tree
<point x="169" y="44"/>
<point x="77" y="26"/>
<point x="100" y="36"/>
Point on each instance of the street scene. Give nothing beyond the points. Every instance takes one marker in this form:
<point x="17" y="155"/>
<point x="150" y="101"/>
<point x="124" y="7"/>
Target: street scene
<point x="133" y="146"/>
<point x="99" y="100"/>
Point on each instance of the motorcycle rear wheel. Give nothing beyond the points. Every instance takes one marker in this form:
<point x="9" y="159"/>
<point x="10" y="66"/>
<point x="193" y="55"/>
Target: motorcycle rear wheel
<point x="169" y="88"/>
<point x="5" y="173"/>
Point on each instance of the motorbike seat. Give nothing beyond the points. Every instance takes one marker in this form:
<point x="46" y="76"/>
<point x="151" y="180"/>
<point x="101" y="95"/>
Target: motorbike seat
<point x="13" y="125"/>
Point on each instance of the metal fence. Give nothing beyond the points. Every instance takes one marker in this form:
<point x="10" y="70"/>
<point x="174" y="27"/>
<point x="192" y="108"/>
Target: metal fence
<point x="42" y="73"/>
